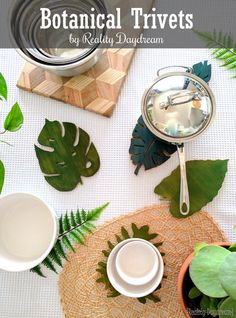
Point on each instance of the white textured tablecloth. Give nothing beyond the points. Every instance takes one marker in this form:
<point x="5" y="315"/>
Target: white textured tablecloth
<point x="25" y="295"/>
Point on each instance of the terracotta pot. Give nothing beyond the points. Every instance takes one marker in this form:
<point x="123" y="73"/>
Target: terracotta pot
<point x="182" y="273"/>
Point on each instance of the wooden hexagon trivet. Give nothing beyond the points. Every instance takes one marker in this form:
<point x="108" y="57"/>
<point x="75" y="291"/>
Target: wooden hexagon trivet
<point x="96" y="90"/>
<point x="81" y="296"/>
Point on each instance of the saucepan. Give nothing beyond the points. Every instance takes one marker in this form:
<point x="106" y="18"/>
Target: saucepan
<point x="178" y="107"/>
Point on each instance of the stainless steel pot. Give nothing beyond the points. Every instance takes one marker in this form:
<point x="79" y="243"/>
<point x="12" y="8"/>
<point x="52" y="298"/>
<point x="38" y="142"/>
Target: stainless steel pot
<point x="177" y="108"/>
<point x="50" y="49"/>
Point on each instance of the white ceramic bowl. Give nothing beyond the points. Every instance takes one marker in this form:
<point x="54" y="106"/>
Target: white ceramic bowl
<point x="28" y="231"/>
<point x="124" y="287"/>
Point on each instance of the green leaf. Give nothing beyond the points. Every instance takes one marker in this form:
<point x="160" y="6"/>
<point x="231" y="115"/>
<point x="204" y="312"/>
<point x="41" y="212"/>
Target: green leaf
<point x="232" y="248"/>
<point x="205" y="179"/>
<point x="203" y="70"/>
<point x="205" y="303"/>
<point x="228" y="275"/>
<point x="194" y="293"/>
<point x="3" y="87"/>
<point x="227" y="308"/>
<point x="146" y="149"/>
<point x="65" y="163"/>
<point x="205" y="270"/>
<point x="14" y="119"/>
<point x="213" y="308"/>
<point x="2" y="175"/>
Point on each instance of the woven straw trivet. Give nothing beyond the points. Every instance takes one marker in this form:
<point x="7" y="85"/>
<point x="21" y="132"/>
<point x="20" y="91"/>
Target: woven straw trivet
<point x="82" y="297"/>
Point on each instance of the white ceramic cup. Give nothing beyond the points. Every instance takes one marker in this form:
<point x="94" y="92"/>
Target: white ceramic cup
<point x="121" y="267"/>
<point x="137" y="262"/>
<point x="28" y="231"/>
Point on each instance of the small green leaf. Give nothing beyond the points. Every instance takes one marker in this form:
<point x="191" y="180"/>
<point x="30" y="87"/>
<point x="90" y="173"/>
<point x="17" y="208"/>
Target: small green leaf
<point x="14" y="119"/>
<point x="205" y="270"/>
<point x="111" y="246"/>
<point x="66" y="223"/>
<point x="213" y="308"/>
<point x="67" y="243"/>
<point x="194" y="293"/>
<point x="3" y="87"/>
<point x="55" y="257"/>
<point x="205" y="179"/>
<point x="228" y="275"/>
<point x="205" y="303"/>
<point x="61" y="230"/>
<point x="232" y="248"/>
<point x="125" y="233"/>
<point x="72" y="219"/>
<point x="227" y="308"/>
<point x="37" y="270"/>
<point x="49" y="264"/>
<point x="60" y="250"/>
<point x="2" y="175"/>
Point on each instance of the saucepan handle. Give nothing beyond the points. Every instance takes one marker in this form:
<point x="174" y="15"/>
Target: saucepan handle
<point x="186" y="68"/>
<point x="184" y="204"/>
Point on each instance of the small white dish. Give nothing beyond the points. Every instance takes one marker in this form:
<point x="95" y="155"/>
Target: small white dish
<point x="137" y="262"/>
<point x="122" y="286"/>
<point x="28" y="231"/>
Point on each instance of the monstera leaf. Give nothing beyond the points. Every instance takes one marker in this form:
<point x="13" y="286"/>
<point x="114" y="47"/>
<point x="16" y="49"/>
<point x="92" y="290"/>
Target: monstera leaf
<point x="205" y="179"/>
<point x="65" y="160"/>
<point x="203" y="70"/>
<point x="146" y="149"/>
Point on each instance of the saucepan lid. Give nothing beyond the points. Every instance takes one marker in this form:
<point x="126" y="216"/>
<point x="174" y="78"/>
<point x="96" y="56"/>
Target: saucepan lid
<point x="178" y="106"/>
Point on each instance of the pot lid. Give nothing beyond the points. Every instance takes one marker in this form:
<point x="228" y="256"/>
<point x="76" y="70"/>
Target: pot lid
<point x="178" y="106"/>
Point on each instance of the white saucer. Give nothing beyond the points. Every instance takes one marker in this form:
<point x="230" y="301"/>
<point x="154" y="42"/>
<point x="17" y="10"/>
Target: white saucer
<point x="130" y="290"/>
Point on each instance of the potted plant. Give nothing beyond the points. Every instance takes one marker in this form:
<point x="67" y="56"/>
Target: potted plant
<point x="207" y="281"/>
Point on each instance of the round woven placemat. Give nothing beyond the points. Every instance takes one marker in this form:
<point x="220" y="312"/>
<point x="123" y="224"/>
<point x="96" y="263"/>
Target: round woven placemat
<point x="82" y="297"/>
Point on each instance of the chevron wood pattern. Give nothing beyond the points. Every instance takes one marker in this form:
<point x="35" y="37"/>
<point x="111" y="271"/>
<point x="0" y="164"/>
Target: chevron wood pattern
<point x="96" y="90"/>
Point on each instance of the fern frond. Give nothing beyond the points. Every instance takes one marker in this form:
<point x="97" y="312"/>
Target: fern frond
<point x="73" y="228"/>
<point x="223" y="47"/>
